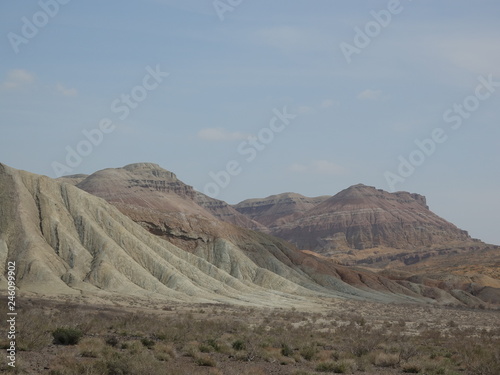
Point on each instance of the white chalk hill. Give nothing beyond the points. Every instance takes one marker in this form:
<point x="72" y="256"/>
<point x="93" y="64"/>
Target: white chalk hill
<point x="66" y="241"/>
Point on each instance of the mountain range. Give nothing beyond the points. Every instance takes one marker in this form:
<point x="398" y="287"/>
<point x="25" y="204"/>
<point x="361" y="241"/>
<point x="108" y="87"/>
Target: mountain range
<point x="358" y="217"/>
<point x="139" y="231"/>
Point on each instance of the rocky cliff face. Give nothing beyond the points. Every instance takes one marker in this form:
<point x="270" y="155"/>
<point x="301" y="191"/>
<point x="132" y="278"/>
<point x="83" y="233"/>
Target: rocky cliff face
<point x="360" y="217"/>
<point x="159" y="201"/>
<point x="122" y="184"/>
<point x="364" y="226"/>
<point x="277" y="209"/>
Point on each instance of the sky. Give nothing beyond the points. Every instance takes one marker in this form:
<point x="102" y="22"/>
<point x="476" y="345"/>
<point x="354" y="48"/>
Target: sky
<point x="249" y="98"/>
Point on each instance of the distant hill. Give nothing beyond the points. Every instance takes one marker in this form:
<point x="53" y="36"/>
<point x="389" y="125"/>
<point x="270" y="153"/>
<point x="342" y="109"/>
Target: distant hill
<point x="154" y="236"/>
<point x="278" y="209"/>
<point x="392" y="232"/>
<point x="358" y="217"/>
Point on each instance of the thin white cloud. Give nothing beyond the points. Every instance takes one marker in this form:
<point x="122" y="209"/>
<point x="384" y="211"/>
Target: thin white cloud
<point x="17" y="79"/>
<point x="220" y="134"/>
<point x="371" y="95"/>
<point x="327" y="167"/>
<point x="327" y="103"/>
<point x="296" y="167"/>
<point x="473" y="53"/>
<point x="65" y="91"/>
<point x="323" y="167"/>
<point x="303" y="109"/>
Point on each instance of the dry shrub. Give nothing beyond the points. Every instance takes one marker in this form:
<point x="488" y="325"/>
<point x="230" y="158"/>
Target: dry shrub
<point x="271" y="355"/>
<point x="254" y="371"/>
<point x="327" y="355"/>
<point x="70" y="365"/>
<point x="407" y="350"/>
<point x="165" y="352"/>
<point x="135" y="347"/>
<point x="205" y="360"/>
<point x="138" y="364"/>
<point x="411" y="368"/>
<point x="360" y="339"/>
<point x="340" y="367"/>
<point x="287" y="361"/>
<point x="36" y="327"/>
<point x="308" y="352"/>
<point x="191" y="349"/>
<point x="93" y="348"/>
<point x="483" y="359"/>
<point x="386" y="360"/>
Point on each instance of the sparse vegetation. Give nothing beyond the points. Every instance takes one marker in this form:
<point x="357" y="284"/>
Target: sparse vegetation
<point x="239" y="345"/>
<point x="148" y="343"/>
<point x="67" y="336"/>
<point x="286" y="350"/>
<point x="326" y="366"/>
<point x="205" y="360"/>
<point x="217" y="341"/>
<point x="342" y="367"/>
<point x="112" y="341"/>
<point x="411" y="368"/>
<point x="308" y="352"/>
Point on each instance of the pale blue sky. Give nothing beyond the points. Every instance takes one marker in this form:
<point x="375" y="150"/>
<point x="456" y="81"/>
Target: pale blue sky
<point x="226" y="77"/>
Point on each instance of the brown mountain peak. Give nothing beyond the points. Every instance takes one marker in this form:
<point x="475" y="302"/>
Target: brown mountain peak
<point x="150" y="169"/>
<point x="362" y="217"/>
<point x="369" y="196"/>
<point x="156" y="198"/>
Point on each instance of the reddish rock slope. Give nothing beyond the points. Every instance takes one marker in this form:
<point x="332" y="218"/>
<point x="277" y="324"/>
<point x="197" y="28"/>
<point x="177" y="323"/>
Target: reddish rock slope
<point x="362" y="217"/>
